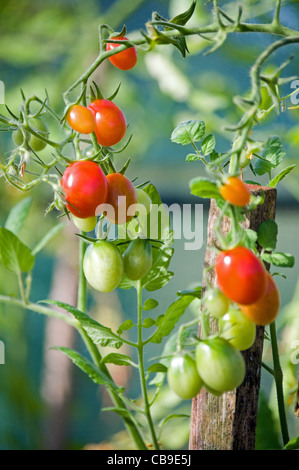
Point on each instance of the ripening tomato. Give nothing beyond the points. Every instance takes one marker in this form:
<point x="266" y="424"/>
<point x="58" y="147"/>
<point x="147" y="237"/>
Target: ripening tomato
<point x="241" y="276"/>
<point x="183" y="377"/>
<point x="138" y="259"/>
<point x="110" y="121"/>
<point x="85" y="188"/>
<point x="216" y="302"/>
<point x="121" y="195"/>
<point x="220" y="365"/>
<point x="237" y="329"/>
<point x="81" y="119"/>
<point x="265" y="310"/>
<point x="103" y="266"/>
<point x="235" y="192"/>
<point x="38" y="125"/>
<point x="124" y="60"/>
<point x="87" y="224"/>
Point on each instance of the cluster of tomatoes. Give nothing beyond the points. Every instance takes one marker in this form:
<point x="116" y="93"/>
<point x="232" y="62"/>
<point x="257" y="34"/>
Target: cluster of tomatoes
<point x="246" y="296"/>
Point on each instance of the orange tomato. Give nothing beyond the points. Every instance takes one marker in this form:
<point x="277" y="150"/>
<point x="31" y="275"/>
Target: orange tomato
<point x="235" y="192"/>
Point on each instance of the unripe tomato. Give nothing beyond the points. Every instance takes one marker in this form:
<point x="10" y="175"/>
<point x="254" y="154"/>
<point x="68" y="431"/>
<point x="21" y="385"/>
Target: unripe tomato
<point x="138" y="259"/>
<point x="183" y="377"/>
<point x="235" y="192"/>
<point x="216" y="302"/>
<point x="237" y="329"/>
<point x="81" y="119"/>
<point x="144" y="199"/>
<point x="265" y="310"/>
<point x="241" y="275"/>
<point x="85" y="188"/>
<point x="86" y="225"/>
<point x="121" y="195"/>
<point x="103" y="266"/>
<point x="35" y="143"/>
<point x="220" y="365"/>
<point x="124" y="60"/>
<point x="110" y="121"/>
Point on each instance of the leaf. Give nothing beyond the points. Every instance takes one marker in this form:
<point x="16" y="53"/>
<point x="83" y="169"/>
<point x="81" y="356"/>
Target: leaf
<point x="14" y="255"/>
<point x="171" y="317"/>
<point x="150" y="304"/>
<point x="274" y="151"/>
<point x="183" y="18"/>
<point x="193" y="157"/>
<point x="118" y="359"/>
<point x="267" y="235"/>
<point x="249" y="239"/>
<point x="49" y="235"/>
<point x="273" y="183"/>
<point x="157" y="368"/>
<point x="204" y="187"/>
<point x="99" y="333"/>
<point x="96" y="375"/>
<point x="126" y="325"/>
<point x="148" y="322"/>
<point x="18" y="215"/>
<point x="208" y="144"/>
<point x="188" y="132"/>
<point x="283" y="260"/>
<point x="194" y="292"/>
<point x="262" y="166"/>
<point x="292" y="444"/>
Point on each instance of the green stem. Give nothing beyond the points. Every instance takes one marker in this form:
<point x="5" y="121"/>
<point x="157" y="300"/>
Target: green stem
<point x="141" y="368"/>
<point x="278" y="377"/>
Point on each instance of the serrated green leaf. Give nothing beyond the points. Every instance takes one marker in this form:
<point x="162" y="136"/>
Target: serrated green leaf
<point x="188" y="132"/>
<point x="274" y="151"/>
<point x="208" y="144"/>
<point x="96" y="375"/>
<point x="204" y="187"/>
<point x="18" y="215"/>
<point x="150" y="304"/>
<point x="171" y="317"/>
<point x="274" y="182"/>
<point x="283" y="260"/>
<point x="14" y="255"/>
<point x="267" y="235"/>
<point x="249" y="239"/>
<point x="262" y="166"/>
<point x="99" y="333"/>
<point x="193" y="157"/>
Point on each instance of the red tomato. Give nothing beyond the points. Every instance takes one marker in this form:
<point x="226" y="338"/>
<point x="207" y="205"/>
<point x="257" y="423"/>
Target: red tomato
<point x="241" y="275"/>
<point x="235" y="192"/>
<point x="85" y="187"/>
<point x="266" y="309"/>
<point x="124" y="60"/>
<point x="111" y="123"/>
<point x="81" y="119"/>
<point x="120" y="196"/>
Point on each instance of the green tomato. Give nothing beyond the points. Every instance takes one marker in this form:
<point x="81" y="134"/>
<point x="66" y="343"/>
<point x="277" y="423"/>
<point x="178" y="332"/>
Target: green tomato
<point x="220" y="365"/>
<point x="86" y="225"/>
<point x="237" y="329"/>
<point x="138" y="259"/>
<point x="35" y="143"/>
<point x="216" y="302"/>
<point x="183" y="377"/>
<point x="103" y="266"/>
<point x="143" y="199"/>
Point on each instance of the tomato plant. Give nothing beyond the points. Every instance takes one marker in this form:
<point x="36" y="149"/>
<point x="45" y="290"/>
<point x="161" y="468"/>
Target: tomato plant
<point x="216" y="302"/>
<point x="85" y="188"/>
<point x="121" y="194"/>
<point x="103" y="266"/>
<point x="124" y="60"/>
<point x="235" y="192"/>
<point x="239" y="330"/>
<point x="138" y="259"/>
<point x="265" y="310"/>
<point x="81" y="119"/>
<point x="39" y="126"/>
<point x="183" y="377"/>
<point x="110" y="122"/>
<point x="220" y="365"/>
<point x="241" y="275"/>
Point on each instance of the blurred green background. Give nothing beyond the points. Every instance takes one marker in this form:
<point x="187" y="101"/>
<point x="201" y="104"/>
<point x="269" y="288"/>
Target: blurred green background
<point x="44" y="401"/>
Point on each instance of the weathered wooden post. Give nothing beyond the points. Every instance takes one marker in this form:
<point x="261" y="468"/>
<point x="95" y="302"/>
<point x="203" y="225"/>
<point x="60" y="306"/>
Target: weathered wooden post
<point x="228" y="422"/>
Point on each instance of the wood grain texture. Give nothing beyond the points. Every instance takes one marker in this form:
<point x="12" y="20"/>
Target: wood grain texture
<point x="228" y="422"/>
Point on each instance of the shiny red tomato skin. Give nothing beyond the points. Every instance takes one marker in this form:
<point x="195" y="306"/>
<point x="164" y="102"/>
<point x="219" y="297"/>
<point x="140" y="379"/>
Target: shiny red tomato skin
<point x="124" y="60"/>
<point x="120" y="187"/>
<point x="265" y="310"/>
<point x="110" y="121"/>
<point x="241" y="275"/>
<point x="85" y="188"/>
